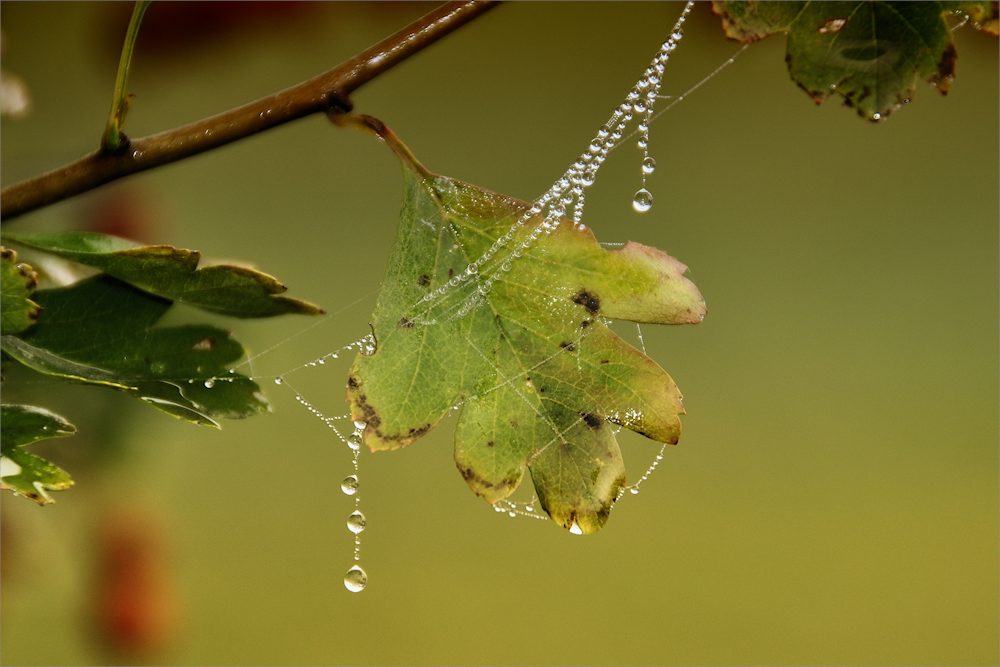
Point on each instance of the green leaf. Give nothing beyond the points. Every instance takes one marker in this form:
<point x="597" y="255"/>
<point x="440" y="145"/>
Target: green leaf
<point x="870" y="53"/>
<point x="101" y="331"/>
<point x="17" y="282"/>
<point x="26" y="474"/>
<point x="172" y="273"/>
<point x="526" y="354"/>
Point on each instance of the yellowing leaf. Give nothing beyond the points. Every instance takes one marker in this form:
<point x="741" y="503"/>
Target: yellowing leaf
<point x="511" y="328"/>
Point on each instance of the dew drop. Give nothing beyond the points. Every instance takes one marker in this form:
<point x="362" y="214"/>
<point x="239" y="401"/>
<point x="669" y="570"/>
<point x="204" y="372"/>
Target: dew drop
<point x="356" y="522"/>
<point x="356" y="579"/>
<point x="278" y="380"/>
<point x="360" y="425"/>
<point x="512" y="514"/>
<point x="529" y="508"/>
<point x="354" y="441"/>
<point x="575" y="529"/>
<point x="633" y="491"/>
<point x="209" y="383"/>
<point x="642" y="201"/>
<point x="648" y="165"/>
<point x="349" y="485"/>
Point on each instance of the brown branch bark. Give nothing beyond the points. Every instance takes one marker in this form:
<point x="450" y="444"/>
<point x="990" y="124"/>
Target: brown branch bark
<point x="327" y="92"/>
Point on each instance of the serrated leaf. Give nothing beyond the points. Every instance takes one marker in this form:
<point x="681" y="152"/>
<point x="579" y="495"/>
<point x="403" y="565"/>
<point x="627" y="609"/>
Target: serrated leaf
<point x="172" y="273"/>
<point x="525" y="350"/>
<point x="26" y="474"/>
<point x="17" y="282"/>
<point x="870" y="53"/>
<point x="101" y="331"/>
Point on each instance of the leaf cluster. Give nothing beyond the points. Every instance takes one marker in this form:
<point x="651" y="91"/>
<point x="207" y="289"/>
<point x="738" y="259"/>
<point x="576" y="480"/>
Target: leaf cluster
<point x="102" y="330"/>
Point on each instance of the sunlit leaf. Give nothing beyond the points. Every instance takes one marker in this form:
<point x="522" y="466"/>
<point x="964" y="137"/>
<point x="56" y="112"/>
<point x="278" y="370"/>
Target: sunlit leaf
<point x="26" y="474"/>
<point x="17" y="282"/>
<point x="173" y="273"/>
<point x="870" y="53"/>
<point x="101" y="331"/>
<point x="522" y="346"/>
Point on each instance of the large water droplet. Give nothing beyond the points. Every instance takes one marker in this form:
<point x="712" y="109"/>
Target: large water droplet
<point x="356" y="579"/>
<point x="209" y="383"/>
<point x="575" y="529"/>
<point x="642" y="201"/>
<point x="360" y="425"/>
<point x="354" y="441"/>
<point x="349" y="485"/>
<point x="648" y="165"/>
<point x="278" y="380"/>
<point x="356" y="522"/>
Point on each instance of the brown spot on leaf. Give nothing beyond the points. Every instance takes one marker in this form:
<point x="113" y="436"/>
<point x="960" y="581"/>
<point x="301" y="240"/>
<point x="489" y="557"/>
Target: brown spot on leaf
<point x="588" y="300"/>
<point x="514" y="425"/>
<point x="591" y="420"/>
<point x="405" y="323"/>
<point x="567" y="346"/>
<point x="451" y="273"/>
<point x="605" y="361"/>
<point x="490" y="443"/>
<point x="945" y="70"/>
<point x="424" y="280"/>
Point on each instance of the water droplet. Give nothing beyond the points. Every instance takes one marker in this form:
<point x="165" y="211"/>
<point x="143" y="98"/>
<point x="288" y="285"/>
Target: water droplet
<point x="360" y="425"/>
<point x="512" y="514"/>
<point x="648" y="165"/>
<point x="349" y="485"/>
<point x="529" y="508"/>
<point x="356" y="522"/>
<point x="472" y="269"/>
<point x="643" y="200"/>
<point x="575" y="529"/>
<point x="354" y="441"/>
<point x="209" y="383"/>
<point x="633" y="491"/>
<point x="356" y="579"/>
<point x="485" y="287"/>
<point x="278" y="380"/>
<point x="321" y="361"/>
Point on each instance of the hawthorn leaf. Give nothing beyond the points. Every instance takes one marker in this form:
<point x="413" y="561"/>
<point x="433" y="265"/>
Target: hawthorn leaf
<point x="26" y="474"/>
<point x="870" y="53"/>
<point x="173" y="273"/>
<point x="17" y="282"/>
<point x="519" y="342"/>
<point x="101" y="331"/>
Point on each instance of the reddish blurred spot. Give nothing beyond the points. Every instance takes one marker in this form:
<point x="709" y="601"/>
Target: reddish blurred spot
<point x="123" y="212"/>
<point x="134" y="602"/>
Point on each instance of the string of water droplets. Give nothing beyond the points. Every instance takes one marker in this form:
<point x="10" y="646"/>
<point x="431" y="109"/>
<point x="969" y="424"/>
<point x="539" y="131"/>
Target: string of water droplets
<point x="356" y="578"/>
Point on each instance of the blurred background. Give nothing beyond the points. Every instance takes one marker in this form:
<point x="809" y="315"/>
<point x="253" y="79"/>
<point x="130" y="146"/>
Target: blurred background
<point x="834" y="497"/>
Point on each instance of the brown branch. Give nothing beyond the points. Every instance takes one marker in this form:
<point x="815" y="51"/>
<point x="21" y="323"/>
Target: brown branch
<point x="324" y="93"/>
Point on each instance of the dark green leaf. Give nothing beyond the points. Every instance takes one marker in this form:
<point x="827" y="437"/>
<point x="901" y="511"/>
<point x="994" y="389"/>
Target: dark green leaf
<point x="172" y="273"/>
<point x="101" y="331"/>
<point x="26" y="474"/>
<point x="870" y="53"/>
<point x="17" y="282"/>
<point x="526" y="353"/>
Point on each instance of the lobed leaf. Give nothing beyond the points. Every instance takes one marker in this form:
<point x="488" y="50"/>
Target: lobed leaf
<point x="173" y="273"/>
<point x="26" y="474"/>
<point x="521" y="345"/>
<point x="870" y="53"/>
<point x="17" y="282"/>
<point x="101" y="331"/>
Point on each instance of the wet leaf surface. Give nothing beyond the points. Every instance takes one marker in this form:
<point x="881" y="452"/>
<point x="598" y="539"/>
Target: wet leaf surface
<point x="520" y="343"/>
<point x="173" y="273"/>
<point x="101" y="331"/>
<point x="26" y="474"/>
<point x="870" y="53"/>
<point x="17" y="282"/>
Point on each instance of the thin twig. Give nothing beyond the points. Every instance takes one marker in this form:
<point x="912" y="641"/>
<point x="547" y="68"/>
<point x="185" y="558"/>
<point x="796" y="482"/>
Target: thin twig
<point x="113" y="136"/>
<point x="325" y="93"/>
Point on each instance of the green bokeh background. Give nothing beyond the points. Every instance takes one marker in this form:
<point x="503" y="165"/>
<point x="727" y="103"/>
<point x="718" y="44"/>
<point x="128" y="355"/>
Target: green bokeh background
<point x="834" y="497"/>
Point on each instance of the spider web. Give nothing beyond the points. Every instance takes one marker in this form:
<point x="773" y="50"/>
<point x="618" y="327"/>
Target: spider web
<point x="565" y="199"/>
